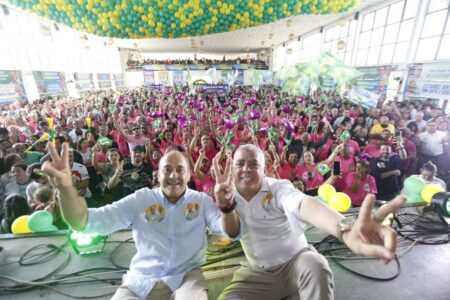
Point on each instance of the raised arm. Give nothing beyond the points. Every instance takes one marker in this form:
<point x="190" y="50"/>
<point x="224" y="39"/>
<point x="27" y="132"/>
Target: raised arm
<point x="117" y="177"/>
<point x="197" y="168"/>
<point x="195" y="139"/>
<point x="118" y="125"/>
<point x="224" y="197"/>
<point x="73" y="207"/>
<point x="95" y="163"/>
<point x="367" y="235"/>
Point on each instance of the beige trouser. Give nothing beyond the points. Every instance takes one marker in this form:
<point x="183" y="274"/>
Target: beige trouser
<point x="192" y="287"/>
<point x="307" y="275"/>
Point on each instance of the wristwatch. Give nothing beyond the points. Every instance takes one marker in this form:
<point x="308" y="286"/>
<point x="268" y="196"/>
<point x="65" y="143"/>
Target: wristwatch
<point x="345" y="225"/>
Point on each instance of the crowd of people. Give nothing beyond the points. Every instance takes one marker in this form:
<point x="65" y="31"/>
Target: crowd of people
<point x="173" y="165"/>
<point x="302" y="138"/>
<point x="138" y="63"/>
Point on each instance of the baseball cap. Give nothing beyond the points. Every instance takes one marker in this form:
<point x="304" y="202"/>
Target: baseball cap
<point x="139" y="148"/>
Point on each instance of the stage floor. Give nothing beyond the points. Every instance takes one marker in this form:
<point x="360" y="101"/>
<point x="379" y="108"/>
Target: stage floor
<point x="425" y="270"/>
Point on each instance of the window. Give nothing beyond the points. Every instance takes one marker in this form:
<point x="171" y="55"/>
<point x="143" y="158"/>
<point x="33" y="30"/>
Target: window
<point x="433" y="43"/>
<point x="310" y="47"/>
<point x="385" y="32"/>
<point x="339" y="40"/>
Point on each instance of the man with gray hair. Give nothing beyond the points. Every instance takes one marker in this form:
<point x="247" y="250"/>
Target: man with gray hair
<point x="275" y="214"/>
<point x="168" y="223"/>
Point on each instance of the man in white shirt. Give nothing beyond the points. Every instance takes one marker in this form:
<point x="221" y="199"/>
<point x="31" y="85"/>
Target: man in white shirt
<point x="421" y="123"/>
<point x="432" y="144"/>
<point x="170" y="243"/>
<point x="78" y="132"/>
<point x="275" y="215"/>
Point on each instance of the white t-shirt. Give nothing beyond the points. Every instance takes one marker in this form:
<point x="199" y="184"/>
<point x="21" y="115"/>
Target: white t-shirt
<point x="273" y="231"/>
<point x="15" y="188"/>
<point x="74" y="136"/>
<point x="432" y="143"/>
<point x="79" y="173"/>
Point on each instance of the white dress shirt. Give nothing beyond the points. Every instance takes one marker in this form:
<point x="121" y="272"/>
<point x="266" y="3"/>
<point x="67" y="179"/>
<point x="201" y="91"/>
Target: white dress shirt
<point x="170" y="238"/>
<point x="432" y="144"/>
<point x="272" y="229"/>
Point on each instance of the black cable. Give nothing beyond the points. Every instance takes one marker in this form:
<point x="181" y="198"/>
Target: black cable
<point x="371" y="277"/>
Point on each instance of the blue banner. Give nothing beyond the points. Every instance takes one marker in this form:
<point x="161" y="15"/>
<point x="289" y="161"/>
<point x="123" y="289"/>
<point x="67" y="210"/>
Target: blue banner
<point x="50" y="83"/>
<point x="215" y="88"/>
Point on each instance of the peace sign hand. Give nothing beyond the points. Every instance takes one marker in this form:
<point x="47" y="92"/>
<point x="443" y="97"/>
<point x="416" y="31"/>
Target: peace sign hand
<point x="58" y="169"/>
<point x="222" y="189"/>
<point x="368" y="236"/>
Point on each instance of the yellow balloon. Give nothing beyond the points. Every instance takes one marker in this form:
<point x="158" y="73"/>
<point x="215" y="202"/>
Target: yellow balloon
<point x="429" y="190"/>
<point x="340" y="202"/>
<point x="20" y="225"/>
<point x="326" y="191"/>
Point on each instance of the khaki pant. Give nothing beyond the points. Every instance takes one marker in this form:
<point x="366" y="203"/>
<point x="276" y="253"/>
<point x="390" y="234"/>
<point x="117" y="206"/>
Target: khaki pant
<point x="307" y="275"/>
<point x="192" y="287"/>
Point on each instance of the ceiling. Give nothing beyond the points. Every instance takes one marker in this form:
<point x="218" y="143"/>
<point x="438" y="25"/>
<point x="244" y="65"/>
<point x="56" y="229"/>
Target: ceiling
<point x="250" y="39"/>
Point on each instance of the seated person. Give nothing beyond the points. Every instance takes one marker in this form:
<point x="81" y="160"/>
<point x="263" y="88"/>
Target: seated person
<point x="15" y="206"/>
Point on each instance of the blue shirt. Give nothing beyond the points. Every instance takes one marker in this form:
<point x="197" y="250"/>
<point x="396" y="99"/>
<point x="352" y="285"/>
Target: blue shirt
<point x="170" y="238"/>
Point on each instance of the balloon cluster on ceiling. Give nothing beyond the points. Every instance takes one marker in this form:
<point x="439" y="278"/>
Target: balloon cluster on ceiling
<point x="173" y="18"/>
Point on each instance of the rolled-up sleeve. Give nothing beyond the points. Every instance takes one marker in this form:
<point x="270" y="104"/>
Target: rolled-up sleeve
<point x="110" y="218"/>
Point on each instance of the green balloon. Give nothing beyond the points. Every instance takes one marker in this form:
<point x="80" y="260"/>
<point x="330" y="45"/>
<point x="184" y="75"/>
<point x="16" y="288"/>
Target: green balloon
<point x="414" y="185"/>
<point x="40" y="221"/>
<point x="414" y="198"/>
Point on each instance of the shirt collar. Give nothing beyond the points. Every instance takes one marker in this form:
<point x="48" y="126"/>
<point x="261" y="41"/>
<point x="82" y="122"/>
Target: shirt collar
<point x="264" y="189"/>
<point x="186" y="195"/>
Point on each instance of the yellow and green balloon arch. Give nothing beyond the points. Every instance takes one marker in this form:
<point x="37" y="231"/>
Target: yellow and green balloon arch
<point x="173" y="18"/>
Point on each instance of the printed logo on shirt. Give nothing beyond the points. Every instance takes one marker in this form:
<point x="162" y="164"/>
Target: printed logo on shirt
<point x="267" y="202"/>
<point x="366" y="187"/>
<point x="381" y="165"/>
<point x="191" y="210"/>
<point x="155" y="213"/>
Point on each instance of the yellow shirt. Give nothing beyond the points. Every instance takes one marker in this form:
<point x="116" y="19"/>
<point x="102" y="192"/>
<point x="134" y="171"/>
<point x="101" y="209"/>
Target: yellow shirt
<point x="377" y="129"/>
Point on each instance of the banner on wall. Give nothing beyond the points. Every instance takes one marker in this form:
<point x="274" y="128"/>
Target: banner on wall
<point x="362" y="97"/>
<point x="240" y="78"/>
<point x="215" y="88"/>
<point x="119" y="81"/>
<point x="104" y="81"/>
<point x="84" y="81"/>
<point x="149" y="77"/>
<point x="164" y="78"/>
<point x="267" y="77"/>
<point x="181" y="67"/>
<point x="375" y="79"/>
<point x="11" y="87"/>
<point x="50" y="83"/>
<point x="152" y="86"/>
<point x="178" y="78"/>
<point x="428" y="81"/>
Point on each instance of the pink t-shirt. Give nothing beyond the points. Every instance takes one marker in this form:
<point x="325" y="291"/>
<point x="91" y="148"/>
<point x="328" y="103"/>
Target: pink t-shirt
<point x="372" y="150"/>
<point x="353" y="147"/>
<point x="310" y="177"/>
<point x="205" y="185"/>
<point x="286" y="171"/>
<point x="366" y="186"/>
<point x="123" y="146"/>
<point x="347" y="166"/>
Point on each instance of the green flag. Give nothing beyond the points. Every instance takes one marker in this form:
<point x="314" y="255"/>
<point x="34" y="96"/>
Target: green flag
<point x="323" y="168"/>
<point x="345" y="136"/>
